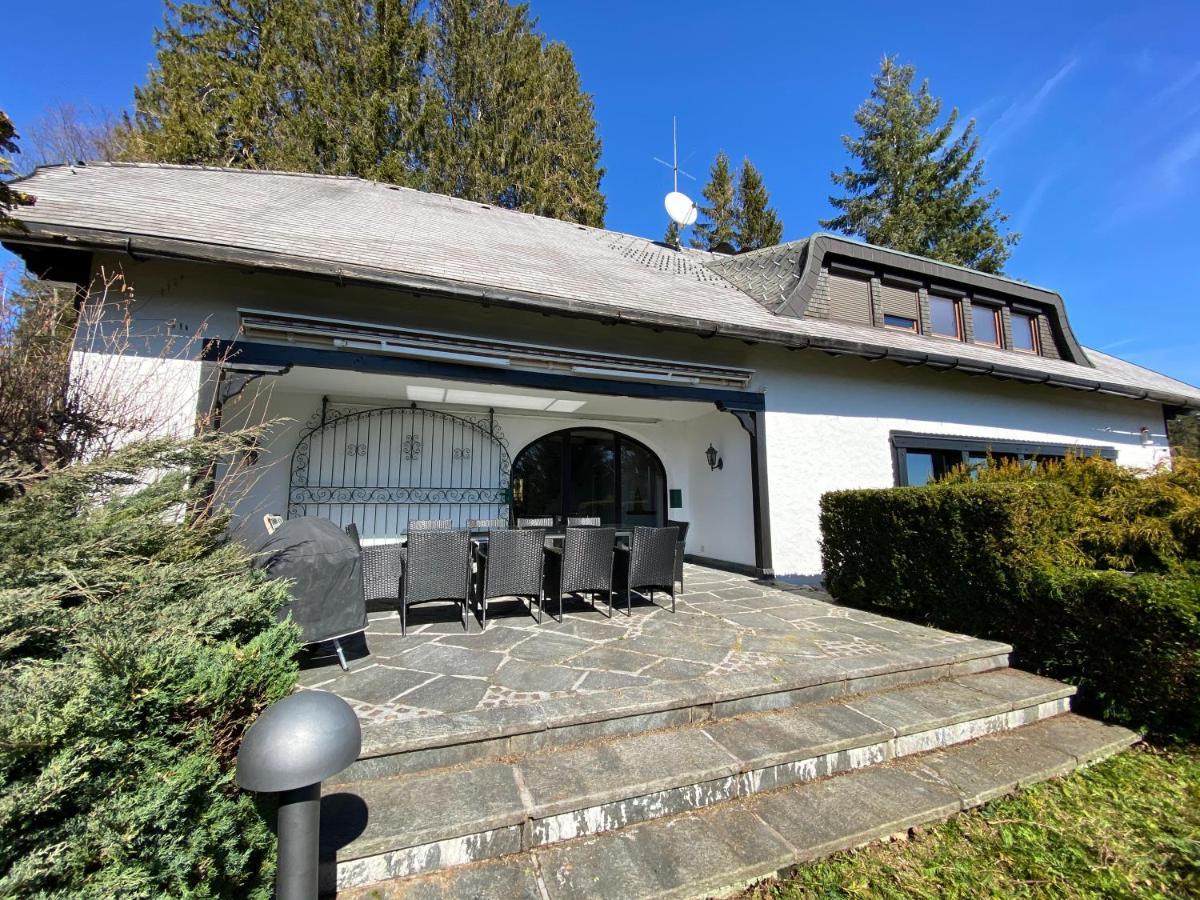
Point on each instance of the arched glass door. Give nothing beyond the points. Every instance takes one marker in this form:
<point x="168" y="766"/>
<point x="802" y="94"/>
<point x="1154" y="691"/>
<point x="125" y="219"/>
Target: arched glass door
<point x="590" y="472"/>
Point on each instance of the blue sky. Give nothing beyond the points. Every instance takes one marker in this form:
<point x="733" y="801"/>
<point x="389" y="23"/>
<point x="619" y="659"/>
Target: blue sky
<point x="1089" y="114"/>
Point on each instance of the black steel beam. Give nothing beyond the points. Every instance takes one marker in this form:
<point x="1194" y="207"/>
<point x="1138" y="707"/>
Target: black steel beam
<point x="249" y="352"/>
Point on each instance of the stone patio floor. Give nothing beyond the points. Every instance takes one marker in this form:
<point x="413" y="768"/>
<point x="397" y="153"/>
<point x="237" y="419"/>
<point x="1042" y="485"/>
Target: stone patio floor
<point x="725" y="625"/>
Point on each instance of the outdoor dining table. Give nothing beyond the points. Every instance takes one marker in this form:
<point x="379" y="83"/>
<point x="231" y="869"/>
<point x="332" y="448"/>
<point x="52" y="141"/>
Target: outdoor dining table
<point x="553" y="536"/>
<point x="479" y="537"/>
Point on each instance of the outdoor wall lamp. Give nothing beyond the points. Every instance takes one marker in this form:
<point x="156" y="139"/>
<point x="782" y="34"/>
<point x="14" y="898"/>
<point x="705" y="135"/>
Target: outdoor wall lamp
<point x="1147" y="437"/>
<point x="714" y="459"/>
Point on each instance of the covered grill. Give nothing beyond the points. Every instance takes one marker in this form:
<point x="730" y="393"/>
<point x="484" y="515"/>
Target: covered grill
<point x="323" y="564"/>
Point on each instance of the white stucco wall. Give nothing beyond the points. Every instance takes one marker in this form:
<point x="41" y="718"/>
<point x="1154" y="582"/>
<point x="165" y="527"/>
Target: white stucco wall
<point x="722" y="507"/>
<point x="144" y="396"/>
<point x="828" y="419"/>
<point x="829" y="423"/>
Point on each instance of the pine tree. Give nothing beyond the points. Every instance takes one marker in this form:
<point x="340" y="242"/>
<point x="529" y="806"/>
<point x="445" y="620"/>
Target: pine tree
<point x="515" y="128"/>
<point x="758" y="225"/>
<point x="671" y="238"/>
<point x="718" y="219"/>
<point x="916" y="189"/>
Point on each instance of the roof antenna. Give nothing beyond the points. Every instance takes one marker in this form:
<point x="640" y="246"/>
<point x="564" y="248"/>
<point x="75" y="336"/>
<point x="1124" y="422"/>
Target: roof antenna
<point x="680" y="207"/>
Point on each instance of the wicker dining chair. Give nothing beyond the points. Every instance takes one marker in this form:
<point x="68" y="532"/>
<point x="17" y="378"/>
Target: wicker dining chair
<point x="680" y="549"/>
<point x="512" y="564"/>
<point x="488" y="524"/>
<point x="430" y="524"/>
<point x="436" y="565"/>
<point x="381" y="567"/>
<point x="652" y="554"/>
<point x="585" y="564"/>
<point x="540" y="522"/>
<point x="583" y="521"/>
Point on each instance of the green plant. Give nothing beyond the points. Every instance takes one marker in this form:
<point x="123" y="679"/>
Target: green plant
<point x="1020" y="556"/>
<point x="1123" y="828"/>
<point x="1122" y="518"/>
<point x="136" y="645"/>
<point x="945" y="555"/>
<point x="1131" y="643"/>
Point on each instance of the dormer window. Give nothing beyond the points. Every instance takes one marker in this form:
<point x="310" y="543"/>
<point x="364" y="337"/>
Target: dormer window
<point x="899" y="301"/>
<point x="944" y="318"/>
<point x="986" y="323"/>
<point x="1024" y="332"/>
<point x="903" y="323"/>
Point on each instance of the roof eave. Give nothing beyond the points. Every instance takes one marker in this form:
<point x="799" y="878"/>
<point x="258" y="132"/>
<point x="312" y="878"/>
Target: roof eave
<point x="69" y="237"/>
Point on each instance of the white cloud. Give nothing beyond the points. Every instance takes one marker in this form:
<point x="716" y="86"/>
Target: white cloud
<point x="1034" y="201"/>
<point x="1171" y="165"/>
<point x="1023" y="110"/>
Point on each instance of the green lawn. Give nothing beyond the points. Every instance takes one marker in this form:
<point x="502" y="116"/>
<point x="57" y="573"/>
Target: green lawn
<point x="1129" y="826"/>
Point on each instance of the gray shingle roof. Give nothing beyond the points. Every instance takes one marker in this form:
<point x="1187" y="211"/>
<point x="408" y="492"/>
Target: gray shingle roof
<point x="355" y="229"/>
<point x="770" y="275"/>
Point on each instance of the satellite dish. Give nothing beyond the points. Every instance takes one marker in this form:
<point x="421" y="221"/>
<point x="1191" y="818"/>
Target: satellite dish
<point x="680" y="208"/>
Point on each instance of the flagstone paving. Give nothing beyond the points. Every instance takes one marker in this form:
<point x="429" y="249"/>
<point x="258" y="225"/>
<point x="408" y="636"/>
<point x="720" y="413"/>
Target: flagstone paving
<point x="725" y="625"/>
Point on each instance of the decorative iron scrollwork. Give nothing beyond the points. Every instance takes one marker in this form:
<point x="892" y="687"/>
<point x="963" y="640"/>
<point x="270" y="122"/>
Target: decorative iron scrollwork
<point x="381" y="466"/>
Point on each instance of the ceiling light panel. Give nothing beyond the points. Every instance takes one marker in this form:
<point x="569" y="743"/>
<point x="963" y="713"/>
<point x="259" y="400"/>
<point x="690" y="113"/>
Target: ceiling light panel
<point x="504" y="401"/>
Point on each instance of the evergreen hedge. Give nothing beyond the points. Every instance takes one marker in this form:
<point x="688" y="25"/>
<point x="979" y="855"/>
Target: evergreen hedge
<point x="1027" y="558"/>
<point x="944" y="555"/>
<point x="136" y="645"/>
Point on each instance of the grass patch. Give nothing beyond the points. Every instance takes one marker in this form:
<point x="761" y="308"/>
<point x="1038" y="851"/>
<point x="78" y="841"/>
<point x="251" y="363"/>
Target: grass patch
<point x="1126" y="827"/>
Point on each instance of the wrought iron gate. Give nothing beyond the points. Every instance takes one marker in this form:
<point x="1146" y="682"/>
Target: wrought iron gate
<point x="379" y="468"/>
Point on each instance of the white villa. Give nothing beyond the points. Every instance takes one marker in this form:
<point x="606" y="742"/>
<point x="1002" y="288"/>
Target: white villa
<point x="430" y="357"/>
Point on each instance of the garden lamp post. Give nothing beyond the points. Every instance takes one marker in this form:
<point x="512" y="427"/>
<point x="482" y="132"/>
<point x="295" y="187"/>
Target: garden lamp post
<point x="290" y="749"/>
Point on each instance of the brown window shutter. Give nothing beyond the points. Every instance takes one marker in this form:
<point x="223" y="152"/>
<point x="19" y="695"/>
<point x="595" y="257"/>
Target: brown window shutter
<point x="850" y="298"/>
<point x="899" y="301"/>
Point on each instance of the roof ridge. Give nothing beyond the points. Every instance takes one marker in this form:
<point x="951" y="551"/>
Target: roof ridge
<point x="197" y="167"/>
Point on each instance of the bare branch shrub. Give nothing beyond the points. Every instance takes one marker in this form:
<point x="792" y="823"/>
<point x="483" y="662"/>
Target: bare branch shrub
<point x="67" y="133"/>
<point x="78" y="378"/>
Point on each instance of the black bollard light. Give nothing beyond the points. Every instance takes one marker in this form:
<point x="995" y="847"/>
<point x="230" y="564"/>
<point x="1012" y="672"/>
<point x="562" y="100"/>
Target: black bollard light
<point x="289" y="750"/>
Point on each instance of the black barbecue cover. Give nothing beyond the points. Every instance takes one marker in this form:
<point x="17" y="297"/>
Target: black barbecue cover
<point x="322" y="562"/>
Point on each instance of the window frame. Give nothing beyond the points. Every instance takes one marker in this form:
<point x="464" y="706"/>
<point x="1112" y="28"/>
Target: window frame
<point x="956" y="304"/>
<point x="903" y="441"/>
<point x="915" y="328"/>
<point x="997" y="317"/>
<point x="1034" y="331"/>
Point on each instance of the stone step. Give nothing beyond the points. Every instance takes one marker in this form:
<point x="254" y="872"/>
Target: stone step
<point x="721" y="849"/>
<point x="452" y="816"/>
<point x="438" y="741"/>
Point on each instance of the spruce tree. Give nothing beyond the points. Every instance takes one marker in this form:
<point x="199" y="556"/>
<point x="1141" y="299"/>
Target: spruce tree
<point x="718" y="218"/>
<point x="671" y="237"/>
<point x="514" y="126"/>
<point x="9" y="198"/>
<point x="916" y="188"/>
<point x="458" y="96"/>
<point x="326" y="86"/>
<point x="758" y="225"/>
